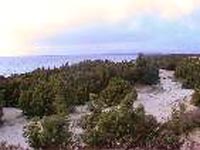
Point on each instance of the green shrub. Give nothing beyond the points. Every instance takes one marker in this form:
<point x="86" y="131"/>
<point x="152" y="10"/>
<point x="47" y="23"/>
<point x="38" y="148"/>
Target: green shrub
<point x="118" y="127"/>
<point x="118" y="124"/>
<point x="188" y="71"/>
<point x="147" y="71"/>
<point x="164" y="139"/>
<point x="114" y="93"/>
<point x="49" y="132"/>
<point x="183" y="122"/>
<point x="196" y="98"/>
<point x="1" y="106"/>
<point x="168" y="62"/>
<point x="1" y="114"/>
<point x="37" y="101"/>
<point x="61" y="88"/>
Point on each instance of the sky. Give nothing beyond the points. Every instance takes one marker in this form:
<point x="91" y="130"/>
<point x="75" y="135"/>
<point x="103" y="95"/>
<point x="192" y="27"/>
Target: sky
<point x="63" y="27"/>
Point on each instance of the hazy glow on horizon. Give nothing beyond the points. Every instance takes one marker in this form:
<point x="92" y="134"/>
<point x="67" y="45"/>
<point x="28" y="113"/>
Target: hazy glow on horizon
<point x="22" y="22"/>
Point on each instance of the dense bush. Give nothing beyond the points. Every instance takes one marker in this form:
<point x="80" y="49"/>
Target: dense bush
<point x="48" y="133"/>
<point x="183" y="122"/>
<point x="172" y="132"/>
<point x="118" y="128"/>
<point x="188" y="71"/>
<point x="109" y="86"/>
<point x="1" y="114"/>
<point x="117" y="124"/>
<point x="61" y="88"/>
<point x="39" y="99"/>
<point x="196" y="98"/>
<point x="168" y="62"/>
<point x="1" y="104"/>
<point x="112" y="95"/>
<point x="128" y="128"/>
<point x="147" y="71"/>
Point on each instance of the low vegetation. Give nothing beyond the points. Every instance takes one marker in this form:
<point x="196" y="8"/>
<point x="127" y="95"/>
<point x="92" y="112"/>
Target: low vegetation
<point x="48" y="133"/>
<point x="109" y="89"/>
<point x="186" y="67"/>
<point x="5" y="146"/>
<point x="116" y="124"/>
<point x="62" y="88"/>
<point x="188" y="72"/>
<point x="52" y="94"/>
<point x="168" y="62"/>
<point x="1" y="114"/>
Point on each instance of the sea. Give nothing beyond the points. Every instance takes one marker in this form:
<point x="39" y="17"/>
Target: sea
<point x="24" y="64"/>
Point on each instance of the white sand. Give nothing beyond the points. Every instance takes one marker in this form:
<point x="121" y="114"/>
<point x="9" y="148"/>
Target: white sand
<point x="12" y="129"/>
<point x="160" y="100"/>
<point x="75" y="126"/>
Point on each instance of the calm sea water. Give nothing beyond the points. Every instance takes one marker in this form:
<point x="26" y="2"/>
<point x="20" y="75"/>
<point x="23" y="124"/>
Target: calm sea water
<point x="17" y="65"/>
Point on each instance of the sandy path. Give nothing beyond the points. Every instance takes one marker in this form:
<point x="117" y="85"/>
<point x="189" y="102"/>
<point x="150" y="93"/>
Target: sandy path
<point x="75" y="124"/>
<point x="160" y="100"/>
<point x="12" y="129"/>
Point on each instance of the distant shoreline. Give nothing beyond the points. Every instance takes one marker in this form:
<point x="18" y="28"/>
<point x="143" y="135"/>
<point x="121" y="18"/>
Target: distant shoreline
<point x="110" y="54"/>
<point x="24" y="64"/>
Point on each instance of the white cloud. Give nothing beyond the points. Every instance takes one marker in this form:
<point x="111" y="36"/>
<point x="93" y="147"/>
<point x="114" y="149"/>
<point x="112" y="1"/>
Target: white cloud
<point x="21" y="21"/>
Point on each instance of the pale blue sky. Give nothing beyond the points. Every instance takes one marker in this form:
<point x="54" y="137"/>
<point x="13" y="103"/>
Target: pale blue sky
<point x="62" y="27"/>
<point x="145" y="33"/>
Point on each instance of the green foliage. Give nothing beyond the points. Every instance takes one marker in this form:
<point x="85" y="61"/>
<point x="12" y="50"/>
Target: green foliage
<point x="61" y="88"/>
<point x="1" y="104"/>
<point x="112" y="95"/>
<point x="1" y="114"/>
<point x="164" y="139"/>
<point x="196" y="98"/>
<point x="117" y="123"/>
<point x="2" y="96"/>
<point x="117" y="127"/>
<point x="49" y="132"/>
<point x="183" y="122"/>
<point x="147" y="71"/>
<point x="188" y="71"/>
<point x="168" y="62"/>
<point x="39" y="99"/>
